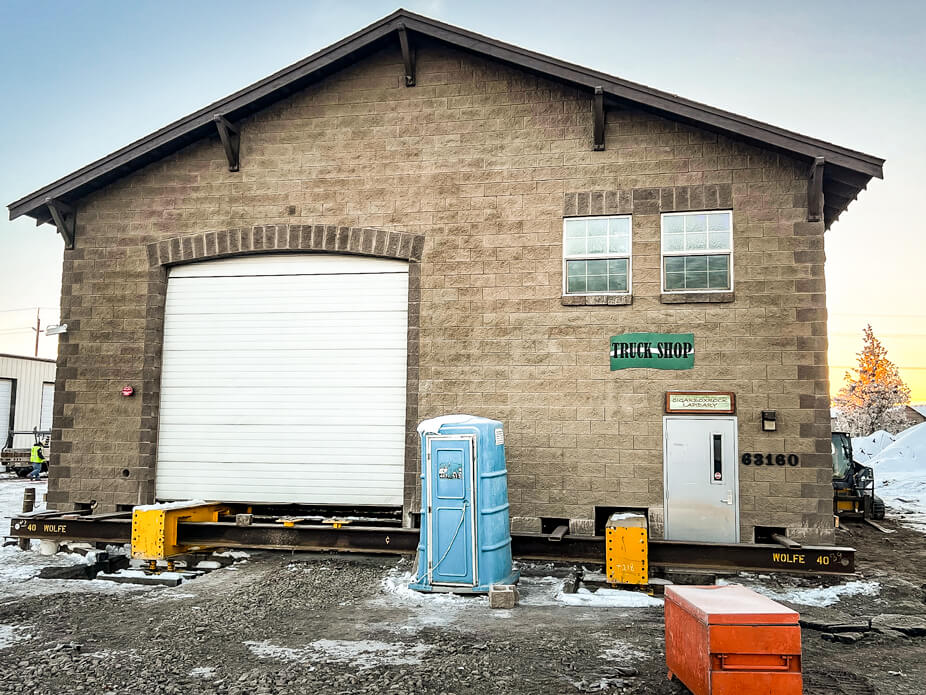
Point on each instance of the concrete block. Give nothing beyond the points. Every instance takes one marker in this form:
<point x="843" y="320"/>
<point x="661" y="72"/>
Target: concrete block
<point x="503" y="596"/>
<point x="581" y="527"/>
<point x="525" y="524"/>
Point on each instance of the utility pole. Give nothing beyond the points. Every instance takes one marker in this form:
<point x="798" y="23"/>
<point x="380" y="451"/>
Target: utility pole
<point x="37" y="329"/>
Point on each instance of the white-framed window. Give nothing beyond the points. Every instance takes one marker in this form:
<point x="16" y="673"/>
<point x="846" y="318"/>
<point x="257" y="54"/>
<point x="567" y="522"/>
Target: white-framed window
<point x="697" y="251"/>
<point x="596" y="255"/>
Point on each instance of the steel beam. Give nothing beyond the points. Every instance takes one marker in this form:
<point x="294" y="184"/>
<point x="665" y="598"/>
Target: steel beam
<point x="380" y="539"/>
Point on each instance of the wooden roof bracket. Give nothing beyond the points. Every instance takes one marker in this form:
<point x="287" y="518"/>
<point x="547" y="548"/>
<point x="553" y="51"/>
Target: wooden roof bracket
<point x="815" y="191"/>
<point x="65" y="219"/>
<point x="598" y="106"/>
<point x="408" y="56"/>
<point x="231" y="140"/>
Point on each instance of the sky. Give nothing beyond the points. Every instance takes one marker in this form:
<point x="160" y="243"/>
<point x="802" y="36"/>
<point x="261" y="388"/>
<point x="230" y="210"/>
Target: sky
<point x="79" y="80"/>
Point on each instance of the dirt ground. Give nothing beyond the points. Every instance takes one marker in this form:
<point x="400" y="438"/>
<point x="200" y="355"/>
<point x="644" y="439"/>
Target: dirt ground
<point x="312" y="623"/>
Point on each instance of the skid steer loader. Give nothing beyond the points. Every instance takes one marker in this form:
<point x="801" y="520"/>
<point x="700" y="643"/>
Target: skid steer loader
<point x="853" y="484"/>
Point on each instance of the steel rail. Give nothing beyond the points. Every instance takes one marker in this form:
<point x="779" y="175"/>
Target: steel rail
<point x="379" y="539"/>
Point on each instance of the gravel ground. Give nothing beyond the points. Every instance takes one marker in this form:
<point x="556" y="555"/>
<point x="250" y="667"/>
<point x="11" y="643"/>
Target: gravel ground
<point x="317" y="623"/>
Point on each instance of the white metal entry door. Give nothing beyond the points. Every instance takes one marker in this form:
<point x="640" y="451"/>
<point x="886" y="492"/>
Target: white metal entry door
<point x="701" y="486"/>
<point x="6" y="409"/>
<point x="283" y="380"/>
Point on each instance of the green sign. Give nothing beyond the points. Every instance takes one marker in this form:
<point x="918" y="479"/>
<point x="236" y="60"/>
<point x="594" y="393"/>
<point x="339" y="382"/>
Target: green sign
<point x="652" y="351"/>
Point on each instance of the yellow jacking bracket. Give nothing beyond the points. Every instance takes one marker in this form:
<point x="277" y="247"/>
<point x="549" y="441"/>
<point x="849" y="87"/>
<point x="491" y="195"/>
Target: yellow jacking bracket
<point x="154" y="527"/>
<point x="626" y="549"/>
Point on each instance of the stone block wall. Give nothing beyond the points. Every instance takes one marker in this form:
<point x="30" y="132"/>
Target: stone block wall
<point x="483" y="162"/>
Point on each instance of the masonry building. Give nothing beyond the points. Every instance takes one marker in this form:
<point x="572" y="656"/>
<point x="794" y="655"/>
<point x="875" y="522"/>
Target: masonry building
<point x="264" y="298"/>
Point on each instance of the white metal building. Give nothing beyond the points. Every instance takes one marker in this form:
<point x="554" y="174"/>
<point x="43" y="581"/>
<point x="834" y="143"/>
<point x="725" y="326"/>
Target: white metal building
<point x="27" y="390"/>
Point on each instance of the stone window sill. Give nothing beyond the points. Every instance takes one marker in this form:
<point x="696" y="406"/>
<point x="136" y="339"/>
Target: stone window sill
<point x="597" y="299"/>
<point x="696" y="297"/>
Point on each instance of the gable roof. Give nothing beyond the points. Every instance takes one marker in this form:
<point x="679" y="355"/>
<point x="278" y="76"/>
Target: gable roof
<point x="846" y="172"/>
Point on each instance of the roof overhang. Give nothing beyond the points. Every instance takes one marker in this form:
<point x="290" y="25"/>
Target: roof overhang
<point x="846" y="173"/>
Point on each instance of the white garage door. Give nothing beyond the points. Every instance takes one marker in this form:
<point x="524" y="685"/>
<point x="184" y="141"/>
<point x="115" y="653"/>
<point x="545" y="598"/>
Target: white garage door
<point x="6" y="407"/>
<point x="283" y="380"/>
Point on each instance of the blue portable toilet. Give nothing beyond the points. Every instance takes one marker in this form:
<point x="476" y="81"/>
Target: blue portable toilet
<point x="465" y="544"/>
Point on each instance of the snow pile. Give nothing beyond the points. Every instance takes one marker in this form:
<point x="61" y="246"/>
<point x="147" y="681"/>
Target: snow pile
<point x="900" y="473"/>
<point x="820" y="596"/>
<point x="395" y="587"/>
<point x="203" y="672"/>
<point x="863" y="448"/>
<point x="362" y="654"/>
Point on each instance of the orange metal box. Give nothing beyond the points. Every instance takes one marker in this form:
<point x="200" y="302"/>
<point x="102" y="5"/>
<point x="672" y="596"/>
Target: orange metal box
<point x="729" y="639"/>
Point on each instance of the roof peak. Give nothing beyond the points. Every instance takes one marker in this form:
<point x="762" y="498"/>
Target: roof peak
<point x="848" y="169"/>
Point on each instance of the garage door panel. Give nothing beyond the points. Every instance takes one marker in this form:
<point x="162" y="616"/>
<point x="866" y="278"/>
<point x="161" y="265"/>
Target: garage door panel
<point x="285" y="387"/>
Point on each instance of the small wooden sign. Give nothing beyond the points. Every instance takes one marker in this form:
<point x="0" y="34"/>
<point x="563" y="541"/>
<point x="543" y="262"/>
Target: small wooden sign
<point x="715" y="402"/>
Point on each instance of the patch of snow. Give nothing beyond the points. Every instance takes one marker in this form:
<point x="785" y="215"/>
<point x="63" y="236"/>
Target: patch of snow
<point x="203" y="672"/>
<point x="820" y="596"/>
<point x="10" y="635"/>
<point x="621" y="651"/>
<point x="180" y="504"/>
<point x="362" y="654"/>
<point x="234" y="554"/>
<point x="608" y="598"/>
<point x="624" y="515"/>
<point x="433" y="425"/>
<point x="395" y="586"/>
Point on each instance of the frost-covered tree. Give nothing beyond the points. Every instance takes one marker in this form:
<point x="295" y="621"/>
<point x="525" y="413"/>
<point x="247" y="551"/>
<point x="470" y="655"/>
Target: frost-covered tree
<point x="874" y="395"/>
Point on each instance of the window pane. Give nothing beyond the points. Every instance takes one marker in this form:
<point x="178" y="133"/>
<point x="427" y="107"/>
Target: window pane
<point x="695" y="223"/>
<point x="696" y="241"/>
<point x="718" y="263"/>
<point x="620" y="225"/>
<point x="675" y="264"/>
<point x="575" y="247"/>
<point x="617" y="283"/>
<point x="575" y="268"/>
<point x="597" y="268"/>
<point x="575" y="229"/>
<point x="675" y="281"/>
<point x="673" y="242"/>
<point x="619" y="242"/>
<point x="719" y="240"/>
<point x="597" y="244"/>
<point x="597" y="283"/>
<point x="696" y="264"/>
<point x="718" y="222"/>
<point x="673" y="224"/>
<point x="598" y="227"/>
<point x="617" y="267"/>
<point x="576" y="284"/>
<point x="718" y="281"/>
<point x="695" y="281"/>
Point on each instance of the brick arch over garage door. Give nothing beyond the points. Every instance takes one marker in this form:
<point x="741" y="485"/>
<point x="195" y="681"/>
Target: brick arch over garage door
<point x="276" y="239"/>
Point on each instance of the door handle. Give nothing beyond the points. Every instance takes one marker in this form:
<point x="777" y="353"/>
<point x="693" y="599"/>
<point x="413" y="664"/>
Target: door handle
<point x="728" y="499"/>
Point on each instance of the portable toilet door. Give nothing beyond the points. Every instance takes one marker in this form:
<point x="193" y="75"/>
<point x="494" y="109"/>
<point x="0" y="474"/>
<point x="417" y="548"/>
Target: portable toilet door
<point x="451" y="501"/>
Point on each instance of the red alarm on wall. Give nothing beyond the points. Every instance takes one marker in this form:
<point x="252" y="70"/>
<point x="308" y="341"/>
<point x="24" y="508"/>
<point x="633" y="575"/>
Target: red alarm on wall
<point x="127" y="391"/>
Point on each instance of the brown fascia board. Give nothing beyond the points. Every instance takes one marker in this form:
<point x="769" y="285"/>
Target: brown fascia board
<point x="250" y="99"/>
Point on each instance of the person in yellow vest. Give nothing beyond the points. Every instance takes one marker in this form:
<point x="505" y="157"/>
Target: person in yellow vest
<point x="37" y="458"/>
